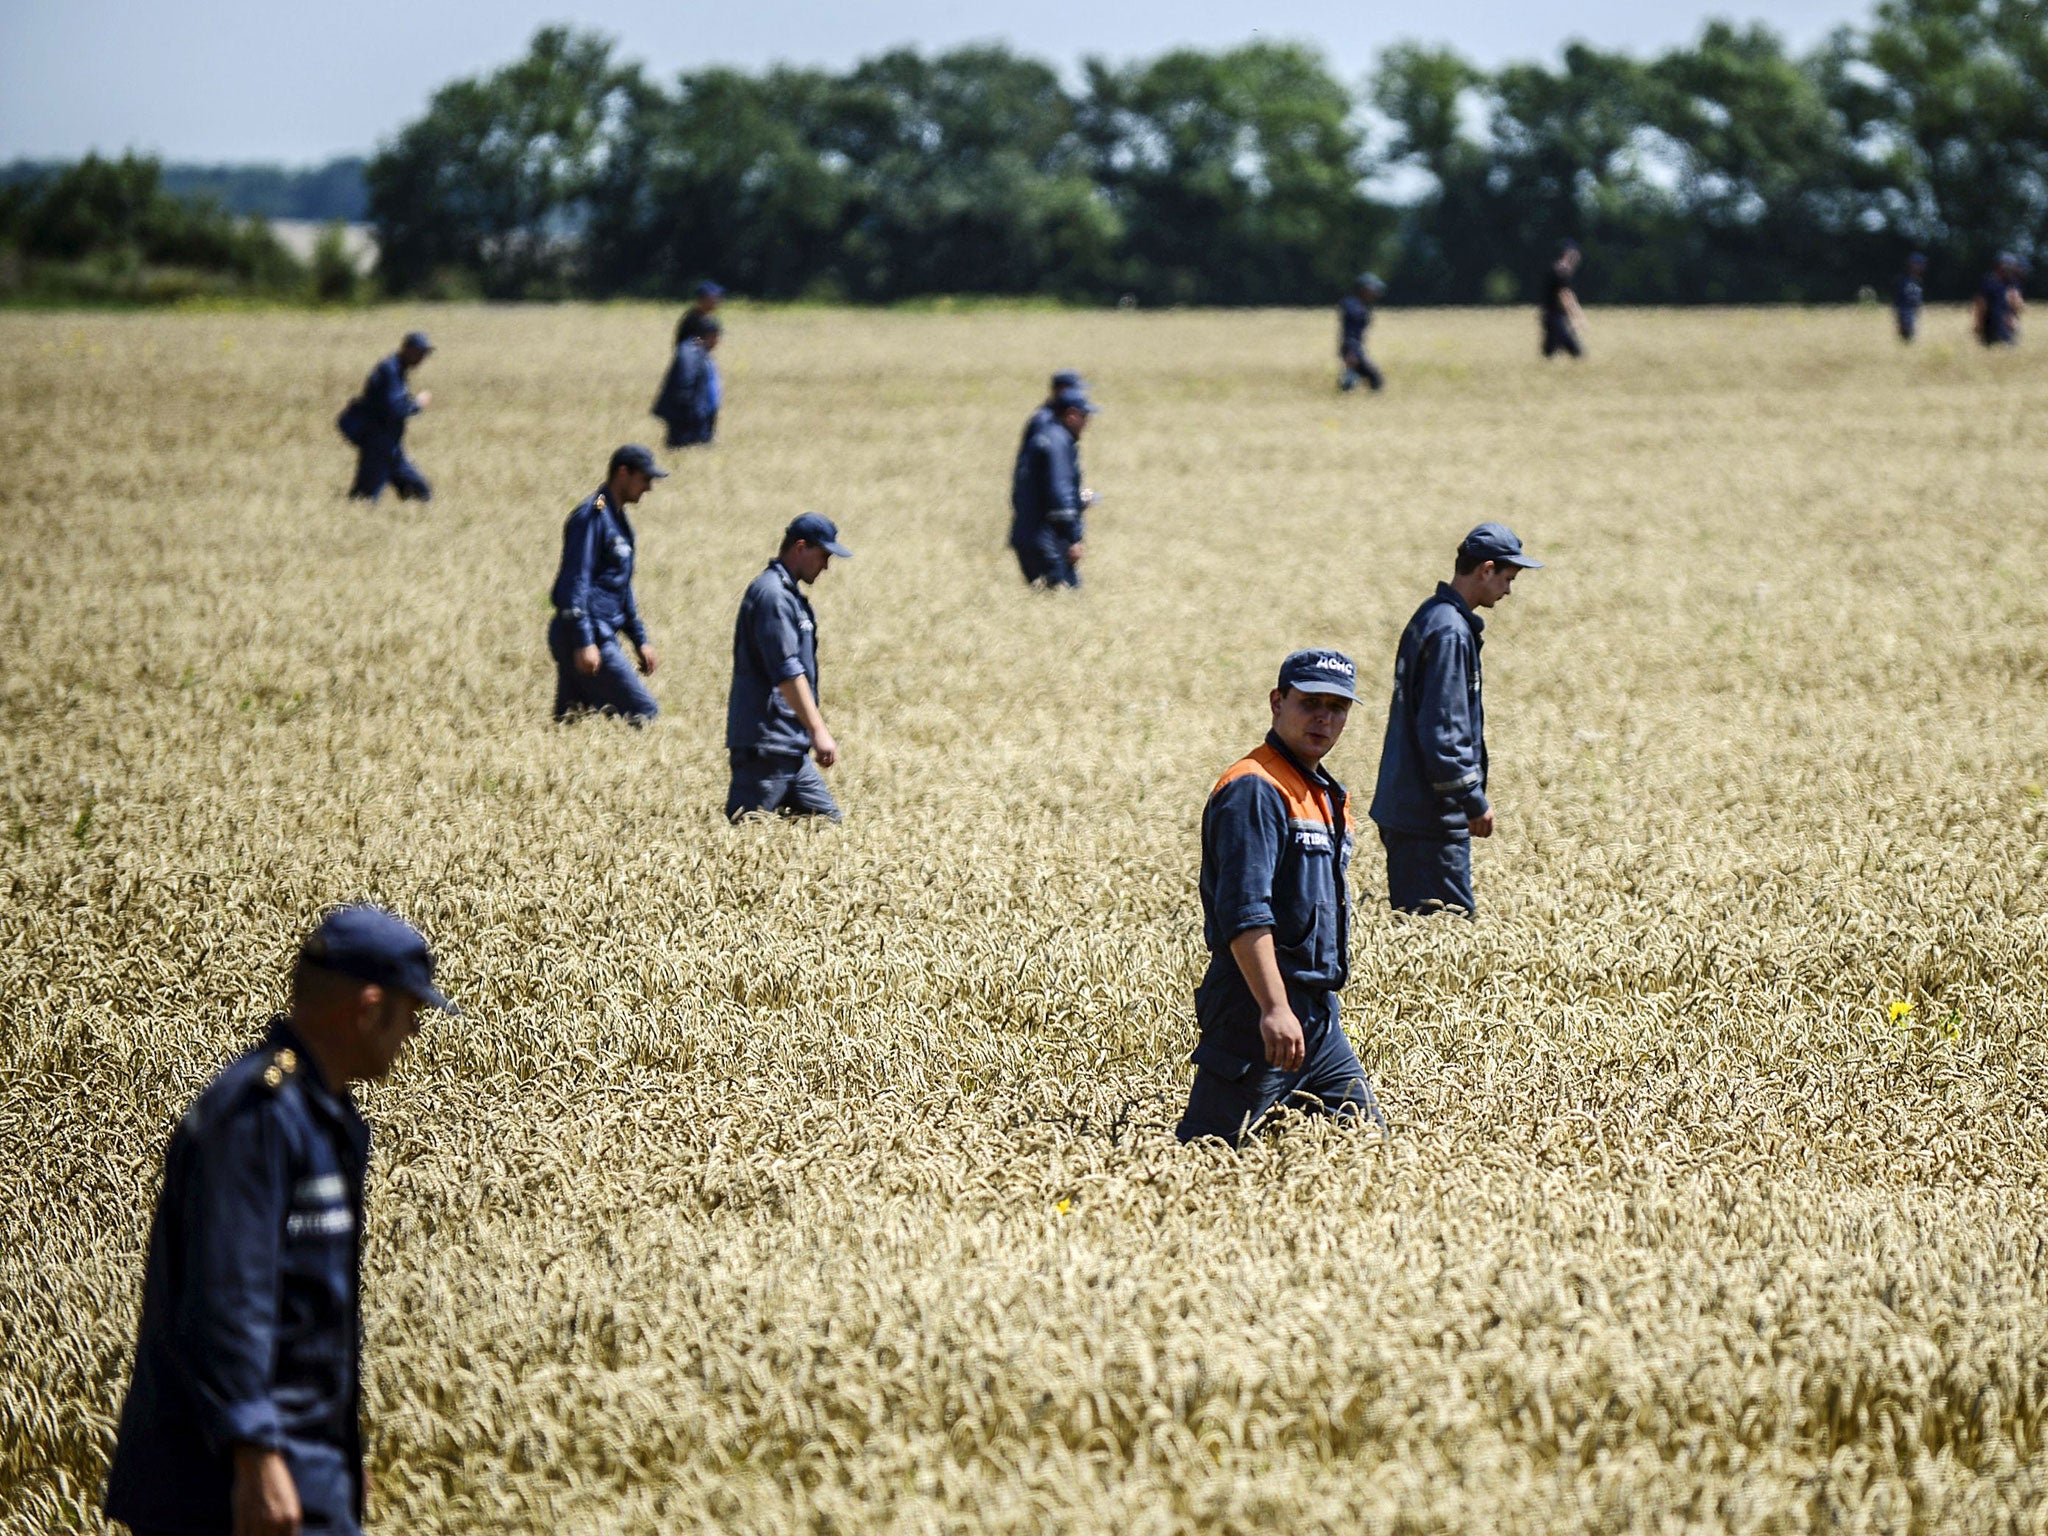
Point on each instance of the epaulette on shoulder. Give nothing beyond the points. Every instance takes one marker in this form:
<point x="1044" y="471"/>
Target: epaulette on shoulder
<point x="282" y="1066"/>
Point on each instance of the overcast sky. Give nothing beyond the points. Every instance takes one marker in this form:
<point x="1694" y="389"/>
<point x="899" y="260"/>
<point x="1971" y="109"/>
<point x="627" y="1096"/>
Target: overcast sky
<point x="298" y="82"/>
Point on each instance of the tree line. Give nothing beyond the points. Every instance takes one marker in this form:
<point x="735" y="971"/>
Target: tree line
<point x="1729" y="170"/>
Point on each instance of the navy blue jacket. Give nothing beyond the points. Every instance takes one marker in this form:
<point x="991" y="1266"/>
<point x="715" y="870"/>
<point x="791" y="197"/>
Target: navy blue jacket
<point x="594" y="588"/>
<point x="378" y="415"/>
<point x="688" y="399"/>
<point x="250" y="1330"/>
<point x="1045" y="488"/>
<point x="1433" y="764"/>
<point x="1907" y="294"/>
<point x="1276" y="849"/>
<point x="1353" y="316"/>
<point x="1997" y="323"/>
<point x="774" y="639"/>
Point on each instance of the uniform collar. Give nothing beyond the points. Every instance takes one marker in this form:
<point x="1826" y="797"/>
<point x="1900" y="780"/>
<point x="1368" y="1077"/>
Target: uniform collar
<point x="1450" y="595"/>
<point x="1321" y="776"/>
<point x="340" y="1105"/>
<point x="788" y="576"/>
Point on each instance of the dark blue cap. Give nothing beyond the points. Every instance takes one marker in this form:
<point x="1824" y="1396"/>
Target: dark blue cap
<point x="1495" y="541"/>
<point x="417" y="340"/>
<point x="816" y="528"/>
<point x="1567" y="244"/>
<point x="1066" y="378"/>
<point x="1321" y="672"/>
<point x="371" y="945"/>
<point x="1068" y="399"/>
<point x="1917" y="259"/>
<point x="710" y="291"/>
<point x="1371" y="282"/>
<point x="633" y="456"/>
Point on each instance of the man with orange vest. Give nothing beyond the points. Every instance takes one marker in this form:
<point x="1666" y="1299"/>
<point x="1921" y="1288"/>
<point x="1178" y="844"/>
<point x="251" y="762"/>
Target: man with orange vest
<point x="1276" y="843"/>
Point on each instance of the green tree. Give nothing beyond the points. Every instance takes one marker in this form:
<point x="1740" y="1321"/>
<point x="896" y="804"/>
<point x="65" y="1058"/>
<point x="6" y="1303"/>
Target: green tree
<point x="497" y="180"/>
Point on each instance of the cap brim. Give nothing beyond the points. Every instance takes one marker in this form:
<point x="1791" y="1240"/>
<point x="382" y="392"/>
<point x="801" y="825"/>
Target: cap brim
<point x="433" y="999"/>
<point x="1522" y="560"/>
<point x="834" y="547"/>
<point x="656" y="473"/>
<point x="1329" y="690"/>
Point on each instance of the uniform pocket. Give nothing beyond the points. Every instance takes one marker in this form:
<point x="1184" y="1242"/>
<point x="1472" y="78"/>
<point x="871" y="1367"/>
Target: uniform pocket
<point x="1232" y="1069"/>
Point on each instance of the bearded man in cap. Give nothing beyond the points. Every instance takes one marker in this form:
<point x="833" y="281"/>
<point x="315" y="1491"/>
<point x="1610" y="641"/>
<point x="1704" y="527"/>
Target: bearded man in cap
<point x="594" y="603"/>
<point x="1276" y="916"/>
<point x="243" y="1415"/>
<point x="1430" y="801"/>
<point x="375" y="422"/>
<point x="775" y="727"/>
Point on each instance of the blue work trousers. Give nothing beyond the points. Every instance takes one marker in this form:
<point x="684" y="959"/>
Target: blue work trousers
<point x="785" y="784"/>
<point x="1044" y="560"/>
<point x="1359" y="368"/>
<point x="1558" y="336"/>
<point x="1231" y="1096"/>
<point x="1429" y="874"/>
<point x="381" y="464"/>
<point x="615" y="688"/>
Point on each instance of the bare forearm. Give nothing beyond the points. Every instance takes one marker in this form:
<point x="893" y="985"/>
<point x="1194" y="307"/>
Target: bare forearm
<point x="796" y="693"/>
<point x="1253" y="952"/>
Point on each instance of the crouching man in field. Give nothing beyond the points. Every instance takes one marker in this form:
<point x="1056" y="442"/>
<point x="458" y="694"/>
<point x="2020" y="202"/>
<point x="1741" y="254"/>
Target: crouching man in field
<point x="1276" y="844"/>
<point x="242" y="1416"/>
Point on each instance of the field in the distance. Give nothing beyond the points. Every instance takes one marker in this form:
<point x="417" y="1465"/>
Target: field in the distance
<point x="822" y="1179"/>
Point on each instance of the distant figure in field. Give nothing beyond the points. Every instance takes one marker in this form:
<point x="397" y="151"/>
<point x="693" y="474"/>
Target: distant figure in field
<point x="1276" y="917"/>
<point x="1430" y="801"/>
<point x="1047" y="499"/>
<point x="691" y="390"/>
<point x="593" y="596"/>
<point x="375" y="422"/>
<point x="1564" y="323"/>
<point x="244" y="1412"/>
<point x="702" y="307"/>
<point x="1996" y="315"/>
<point x="774" y="721"/>
<point x="1909" y="294"/>
<point x="1354" y="314"/>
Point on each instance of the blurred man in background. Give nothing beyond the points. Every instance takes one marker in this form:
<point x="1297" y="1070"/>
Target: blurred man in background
<point x="1430" y="801"/>
<point x="1909" y="294"/>
<point x="691" y="390"/>
<point x="774" y="721"/>
<point x="1996" y="316"/>
<point x="1354" y="314"/>
<point x="702" y="307"/>
<point x="375" y="422"/>
<point x="594" y="603"/>
<point x="1276" y="917"/>
<point x="1066" y="378"/>
<point x="1563" y="322"/>
<point x="1047" y="499"/>
<point x="243" y="1416"/>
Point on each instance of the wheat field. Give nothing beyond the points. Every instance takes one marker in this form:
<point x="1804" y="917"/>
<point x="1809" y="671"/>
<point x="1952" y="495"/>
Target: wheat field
<point x="792" y="1178"/>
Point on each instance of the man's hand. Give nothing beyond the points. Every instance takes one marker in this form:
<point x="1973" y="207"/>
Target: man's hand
<point x="424" y="398"/>
<point x="824" y="748"/>
<point x="1482" y="824"/>
<point x="588" y="661"/>
<point x="649" y="659"/>
<point x="1087" y="497"/>
<point x="1075" y="551"/>
<point x="265" y="1500"/>
<point x="1281" y="1031"/>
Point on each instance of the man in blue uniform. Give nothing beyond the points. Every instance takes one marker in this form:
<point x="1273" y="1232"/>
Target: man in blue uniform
<point x="375" y="422"/>
<point x="691" y="390"/>
<point x="1563" y="322"/>
<point x="243" y="1414"/>
<point x="1909" y="295"/>
<point x="1354" y="314"/>
<point x="1996" y="317"/>
<point x="1065" y="379"/>
<point x="1276" y="916"/>
<point x="774" y="722"/>
<point x="1047" y="499"/>
<point x="705" y="304"/>
<point x="1430" y="801"/>
<point x="594" y="603"/>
